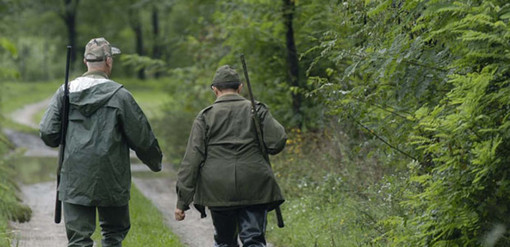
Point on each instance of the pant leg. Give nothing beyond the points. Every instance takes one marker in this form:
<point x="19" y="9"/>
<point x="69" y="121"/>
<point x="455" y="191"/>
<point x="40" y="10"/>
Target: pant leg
<point x="252" y="226"/>
<point x="115" y="225"/>
<point x="225" y="228"/>
<point x="80" y="224"/>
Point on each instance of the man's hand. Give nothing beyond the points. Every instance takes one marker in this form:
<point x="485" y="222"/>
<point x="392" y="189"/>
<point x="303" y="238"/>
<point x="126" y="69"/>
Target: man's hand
<point x="179" y="214"/>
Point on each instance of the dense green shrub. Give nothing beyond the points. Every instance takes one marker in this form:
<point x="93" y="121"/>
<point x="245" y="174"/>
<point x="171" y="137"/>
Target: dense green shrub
<point x="429" y="79"/>
<point x="467" y="191"/>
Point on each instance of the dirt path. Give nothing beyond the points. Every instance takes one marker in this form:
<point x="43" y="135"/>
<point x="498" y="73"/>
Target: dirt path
<point x="40" y="231"/>
<point x="25" y="115"/>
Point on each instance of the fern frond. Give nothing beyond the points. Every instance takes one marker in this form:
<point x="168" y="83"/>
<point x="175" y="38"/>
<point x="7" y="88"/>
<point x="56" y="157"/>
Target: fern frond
<point x="471" y="35"/>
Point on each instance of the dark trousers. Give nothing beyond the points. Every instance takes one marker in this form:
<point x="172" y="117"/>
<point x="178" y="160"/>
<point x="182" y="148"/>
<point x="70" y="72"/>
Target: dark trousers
<point x="81" y="223"/>
<point x="249" y="223"/>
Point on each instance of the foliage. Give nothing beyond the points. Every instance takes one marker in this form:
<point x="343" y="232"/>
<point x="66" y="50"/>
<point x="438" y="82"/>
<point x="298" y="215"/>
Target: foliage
<point x="256" y="28"/>
<point x="466" y="134"/>
<point x="10" y="205"/>
<point x="430" y="80"/>
<point x="138" y="62"/>
<point x="12" y="52"/>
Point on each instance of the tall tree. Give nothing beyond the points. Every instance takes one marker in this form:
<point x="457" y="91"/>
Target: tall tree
<point x="289" y="8"/>
<point x="69" y="16"/>
<point x="156" y="45"/>
<point x="136" y="25"/>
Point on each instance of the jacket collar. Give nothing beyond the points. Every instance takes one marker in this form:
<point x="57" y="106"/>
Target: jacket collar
<point x="229" y="97"/>
<point x="96" y="74"/>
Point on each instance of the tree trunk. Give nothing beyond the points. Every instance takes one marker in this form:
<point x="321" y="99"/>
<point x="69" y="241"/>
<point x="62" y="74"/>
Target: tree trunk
<point x="69" y="16"/>
<point x="156" y="47"/>
<point x="139" y="48"/>
<point x="136" y="25"/>
<point x="289" y="8"/>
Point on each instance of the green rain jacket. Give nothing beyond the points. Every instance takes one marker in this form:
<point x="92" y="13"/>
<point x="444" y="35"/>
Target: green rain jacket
<point x="223" y="165"/>
<point x="104" y="123"/>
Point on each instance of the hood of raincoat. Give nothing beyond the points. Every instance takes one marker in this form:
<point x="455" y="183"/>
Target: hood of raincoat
<point x="88" y="94"/>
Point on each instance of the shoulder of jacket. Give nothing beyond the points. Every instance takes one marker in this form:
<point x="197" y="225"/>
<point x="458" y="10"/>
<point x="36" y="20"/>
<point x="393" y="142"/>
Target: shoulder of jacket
<point x="121" y="96"/>
<point x="203" y="111"/>
<point x="122" y="93"/>
<point x="201" y="115"/>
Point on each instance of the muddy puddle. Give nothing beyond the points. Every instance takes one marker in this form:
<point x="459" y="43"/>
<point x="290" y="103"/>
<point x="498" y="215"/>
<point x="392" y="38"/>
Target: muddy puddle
<point x="32" y="170"/>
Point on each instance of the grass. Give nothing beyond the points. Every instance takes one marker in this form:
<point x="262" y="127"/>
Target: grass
<point x="4" y="234"/>
<point x="17" y="94"/>
<point x="313" y="221"/>
<point x="334" y="195"/>
<point x="151" y="102"/>
<point x="147" y="225"/>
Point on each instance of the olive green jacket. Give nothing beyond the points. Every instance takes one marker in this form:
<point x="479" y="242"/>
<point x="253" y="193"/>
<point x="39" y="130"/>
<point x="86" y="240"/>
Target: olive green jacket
<point x="104" y="123"/>
<point x="223" y="165"/>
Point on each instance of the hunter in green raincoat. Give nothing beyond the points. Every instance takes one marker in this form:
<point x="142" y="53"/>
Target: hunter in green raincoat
<point x="105" y="122"/>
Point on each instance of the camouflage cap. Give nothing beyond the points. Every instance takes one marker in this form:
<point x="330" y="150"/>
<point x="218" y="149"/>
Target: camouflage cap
<point x="98" y="49"/>
<point x="225" y="74"/>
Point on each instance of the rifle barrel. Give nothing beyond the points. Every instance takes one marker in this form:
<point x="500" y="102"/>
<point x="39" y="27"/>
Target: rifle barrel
<point x="258" y="129"/>
<point x="64" y="123"/>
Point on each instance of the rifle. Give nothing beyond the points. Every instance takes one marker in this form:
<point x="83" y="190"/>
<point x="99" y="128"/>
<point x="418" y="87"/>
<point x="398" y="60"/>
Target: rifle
<point x="258" y="129"/>
<point x="63" y="131"/>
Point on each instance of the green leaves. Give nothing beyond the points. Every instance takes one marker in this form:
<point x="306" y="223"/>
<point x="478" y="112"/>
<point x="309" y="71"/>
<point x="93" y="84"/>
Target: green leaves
<point x="138" y="62"/>
<point x="8" y="46"/>
<point x="430" y="78"/>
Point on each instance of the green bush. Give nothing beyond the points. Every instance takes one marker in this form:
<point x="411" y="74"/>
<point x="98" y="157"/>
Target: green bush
<point x="430" y="81"/>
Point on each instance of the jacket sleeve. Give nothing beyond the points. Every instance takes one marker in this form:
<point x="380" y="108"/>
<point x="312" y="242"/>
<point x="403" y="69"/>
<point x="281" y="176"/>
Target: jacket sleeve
<point x="50" y="125"/>
<point x="138" y="133"/>
<point x="193" y="158"/>
<point x="273" y="132"/>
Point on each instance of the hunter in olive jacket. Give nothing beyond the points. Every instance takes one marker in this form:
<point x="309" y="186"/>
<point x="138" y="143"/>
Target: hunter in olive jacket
<point x="223" y="165"/>
<point x="104" y="123"/>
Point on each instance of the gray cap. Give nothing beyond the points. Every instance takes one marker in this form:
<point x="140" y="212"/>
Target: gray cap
<point x="225" y="74"/>
<point x="98" y="49"/>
